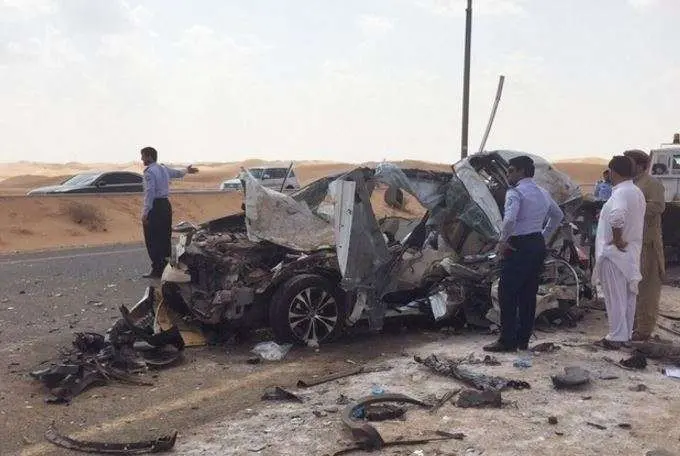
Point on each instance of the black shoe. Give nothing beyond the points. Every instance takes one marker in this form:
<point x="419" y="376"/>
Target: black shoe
<point x="499" y="347"/>
<point x="152" y="275"/>
<point x="523" y="347"/>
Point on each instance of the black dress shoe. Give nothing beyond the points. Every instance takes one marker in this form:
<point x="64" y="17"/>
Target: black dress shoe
<point x="152" y="275"/>
<point x="499" y="347"/>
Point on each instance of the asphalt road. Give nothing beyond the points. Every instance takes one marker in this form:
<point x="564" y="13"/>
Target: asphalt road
<point x="45" y="294"/>
<point x="45" y="297"/>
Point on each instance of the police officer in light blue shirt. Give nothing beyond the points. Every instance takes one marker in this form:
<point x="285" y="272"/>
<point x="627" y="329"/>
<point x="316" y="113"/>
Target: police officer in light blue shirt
<point x="157" y="211"/>
<point x="603" y="187"/>
<point x="531" y="218"/>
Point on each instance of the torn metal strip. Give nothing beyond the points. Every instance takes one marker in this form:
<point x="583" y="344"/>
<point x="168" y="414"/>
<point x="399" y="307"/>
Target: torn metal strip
<point x="364" y="433"/>
<point x="158" y="445"/>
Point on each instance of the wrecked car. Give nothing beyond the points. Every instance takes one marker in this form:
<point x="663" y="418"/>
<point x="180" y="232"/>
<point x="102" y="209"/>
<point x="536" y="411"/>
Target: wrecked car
<point x="314" y="262"/>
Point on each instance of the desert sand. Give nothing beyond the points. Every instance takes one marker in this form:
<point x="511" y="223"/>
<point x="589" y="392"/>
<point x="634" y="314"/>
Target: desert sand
<point x="37" y="223"/>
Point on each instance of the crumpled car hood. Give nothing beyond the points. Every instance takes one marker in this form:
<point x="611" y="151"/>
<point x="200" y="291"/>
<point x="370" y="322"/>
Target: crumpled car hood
<point x="278" y="218"/>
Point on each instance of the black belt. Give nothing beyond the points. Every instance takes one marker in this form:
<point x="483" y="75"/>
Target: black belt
<point x="520" y="237"/>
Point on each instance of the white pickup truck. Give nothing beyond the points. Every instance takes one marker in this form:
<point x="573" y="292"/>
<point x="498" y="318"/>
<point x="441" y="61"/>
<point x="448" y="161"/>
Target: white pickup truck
<point x="665" y="165"/>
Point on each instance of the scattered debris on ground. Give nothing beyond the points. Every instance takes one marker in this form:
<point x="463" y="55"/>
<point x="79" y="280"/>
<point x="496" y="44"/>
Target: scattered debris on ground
<point x="271" y="351"/>
<point x="309" y="382"/>
<point x="157" y="445"/>
<point x="452" y="368"/>
<point x="636" y="361"/>
<point x="573" y="377"/>
<point x="639" y="388"/>
<point x="96" y="360"/>
<point x="659" y="350"/>
<point x="479" y="399"/>
<point x="545" y="347"/>
<point x="367" y="437"/>
<point x="276" y="393"/>
<point x="445" y="398"/>
<point x="597" y="426"/>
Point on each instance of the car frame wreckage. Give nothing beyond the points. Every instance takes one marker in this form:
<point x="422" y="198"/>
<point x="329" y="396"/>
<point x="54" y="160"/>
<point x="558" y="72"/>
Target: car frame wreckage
<point x="313" y="263"/>
<point x="310" y="264"/>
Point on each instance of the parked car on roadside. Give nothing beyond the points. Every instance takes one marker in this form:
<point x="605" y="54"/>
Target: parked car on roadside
<point x="270" y="177"/>
<point x="96" y="182"/>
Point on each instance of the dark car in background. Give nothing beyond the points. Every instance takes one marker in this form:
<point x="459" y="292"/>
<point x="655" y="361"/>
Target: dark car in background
<point x="96" y="182"/>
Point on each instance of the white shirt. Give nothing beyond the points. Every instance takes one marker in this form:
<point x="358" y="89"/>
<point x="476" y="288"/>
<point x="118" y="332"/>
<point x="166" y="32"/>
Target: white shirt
<point x="157" y="183"/>
<point x="625" y="209"/>
<point x="529" y="209"/>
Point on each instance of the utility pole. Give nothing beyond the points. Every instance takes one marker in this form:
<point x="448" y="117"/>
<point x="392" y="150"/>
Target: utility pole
<point x="466" y="81"/>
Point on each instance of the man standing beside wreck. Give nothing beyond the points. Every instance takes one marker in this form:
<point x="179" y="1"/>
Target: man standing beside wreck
<point x="618" y="246"/>
<point x="531" y="217"/>
<point x="652" y="262"/>
<point x="157" y="211"/>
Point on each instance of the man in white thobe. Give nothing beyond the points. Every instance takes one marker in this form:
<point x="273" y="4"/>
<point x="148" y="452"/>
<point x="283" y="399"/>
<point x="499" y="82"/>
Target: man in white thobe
<point x="618" y="245"/>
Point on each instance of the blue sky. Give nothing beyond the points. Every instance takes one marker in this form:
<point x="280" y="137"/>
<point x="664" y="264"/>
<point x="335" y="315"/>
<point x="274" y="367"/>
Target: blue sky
<point x="343" y="80"/>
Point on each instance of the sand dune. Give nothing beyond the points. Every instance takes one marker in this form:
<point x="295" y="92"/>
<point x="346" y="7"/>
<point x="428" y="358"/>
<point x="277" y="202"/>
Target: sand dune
<point x="48" y="222"/>
<point x="19" y="178"/>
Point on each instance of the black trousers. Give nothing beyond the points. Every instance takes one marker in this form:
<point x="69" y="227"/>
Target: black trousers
<point x="520" y="276"/>
<point x="157" y="233"/>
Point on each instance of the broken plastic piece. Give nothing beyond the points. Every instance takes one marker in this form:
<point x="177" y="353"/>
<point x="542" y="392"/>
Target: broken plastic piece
<point x="673" y="372"/>
<point x="271" y="351"/>
<point x="573" y="377"/>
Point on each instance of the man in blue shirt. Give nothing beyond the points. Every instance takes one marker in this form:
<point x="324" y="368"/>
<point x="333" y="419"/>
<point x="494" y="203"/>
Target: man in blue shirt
<point x="531" y="218"/>
<point x="157" y="211"/>
<point x="603" y="187"/>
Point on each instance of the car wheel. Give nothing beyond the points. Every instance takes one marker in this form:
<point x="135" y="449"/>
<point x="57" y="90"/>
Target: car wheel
<point x="307" y="307"/>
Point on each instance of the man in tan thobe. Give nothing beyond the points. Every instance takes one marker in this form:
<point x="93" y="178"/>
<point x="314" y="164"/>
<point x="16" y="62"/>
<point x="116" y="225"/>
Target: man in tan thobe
<point x="652" y="262"/>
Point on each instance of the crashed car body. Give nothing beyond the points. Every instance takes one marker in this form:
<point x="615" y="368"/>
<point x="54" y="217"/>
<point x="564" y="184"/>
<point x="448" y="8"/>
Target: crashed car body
<point x="311" y="263"/>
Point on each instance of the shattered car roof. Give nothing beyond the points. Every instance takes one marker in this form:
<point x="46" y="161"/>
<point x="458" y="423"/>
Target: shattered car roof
<point x="306" y="220"/>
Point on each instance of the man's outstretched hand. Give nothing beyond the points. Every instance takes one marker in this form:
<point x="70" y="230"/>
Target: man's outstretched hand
<point x="191" y="170"/>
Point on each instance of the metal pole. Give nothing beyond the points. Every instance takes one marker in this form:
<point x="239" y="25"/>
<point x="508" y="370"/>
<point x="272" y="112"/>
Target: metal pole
<point x="493" y="112"/>
<point x="286" y="178"/>
<point x="466" y="81"/>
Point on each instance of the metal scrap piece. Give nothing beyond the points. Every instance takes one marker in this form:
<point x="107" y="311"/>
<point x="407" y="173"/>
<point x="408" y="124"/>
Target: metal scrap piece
<point x="668" y="352"/>
<point x="306" y="383"/>
<point x="309" y="382"/>
<point x="366" y="435"/>
<point x="476" y="380"/>
<point x="440" y="435"/>
<point x="445" y="398"/>
<point x="157" y="445"/>
<point x="384" y="412"/>
<point x="276" y="393"/>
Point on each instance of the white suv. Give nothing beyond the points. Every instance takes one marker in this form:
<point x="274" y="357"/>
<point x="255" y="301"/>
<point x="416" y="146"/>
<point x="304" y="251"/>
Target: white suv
<point x="270" y="177"/>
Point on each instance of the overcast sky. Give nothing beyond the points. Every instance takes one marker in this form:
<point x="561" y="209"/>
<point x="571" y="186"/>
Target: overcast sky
<point x="344" y="80"/>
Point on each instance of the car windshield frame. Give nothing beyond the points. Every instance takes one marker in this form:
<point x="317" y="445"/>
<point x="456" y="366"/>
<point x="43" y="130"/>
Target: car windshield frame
<point x="257" y="173"/>
<point x="81" y="179"/>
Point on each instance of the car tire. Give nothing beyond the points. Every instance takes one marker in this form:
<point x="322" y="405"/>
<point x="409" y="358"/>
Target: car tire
<point x="307" y="307"/>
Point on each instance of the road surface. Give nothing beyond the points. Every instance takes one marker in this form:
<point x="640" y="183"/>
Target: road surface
<point x="45" y="297"/>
